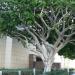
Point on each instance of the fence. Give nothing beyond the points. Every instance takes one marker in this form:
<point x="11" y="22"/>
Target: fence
<point x="30" y="72"/>
<point x="19" y="72"/>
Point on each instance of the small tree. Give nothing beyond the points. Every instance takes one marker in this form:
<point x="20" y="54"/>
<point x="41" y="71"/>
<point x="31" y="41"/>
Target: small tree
<point x="47" y="24"/>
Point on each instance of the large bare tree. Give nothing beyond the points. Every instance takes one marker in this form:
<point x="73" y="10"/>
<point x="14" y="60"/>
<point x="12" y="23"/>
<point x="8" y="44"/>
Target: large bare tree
<point x="48" y="25"/>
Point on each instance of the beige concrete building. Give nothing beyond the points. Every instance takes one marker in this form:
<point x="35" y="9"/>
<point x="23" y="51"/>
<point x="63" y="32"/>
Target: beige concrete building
<point x="13" y="57"/>
<point x="2" y="52"/>
<point x="20" y="56"/>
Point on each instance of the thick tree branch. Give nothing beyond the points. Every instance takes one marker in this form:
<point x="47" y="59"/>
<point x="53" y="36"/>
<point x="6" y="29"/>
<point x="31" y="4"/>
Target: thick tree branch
<point x="73" y="40"/>
<point x="19" y="34"/>
<point x="61" y="35"/>
<point x="57" y="41"/>
<point x="48" y="34"/>
<point x="41" y="17"/>
<point x="72" y="43"/>
<point x="35" y="33"/>
<point x="64" y="16"/>
<point x="70" y="35"/>
<point x="67" y="28"/>
<point x="49" y="17"/>
<point x="34" y="37"/>
<point x="63" y="44"/>
<point x="39" y="25"/>
<point x="42" y="29"/>
<point x="36" y="40"/>
<point x="53" y="13"/>
<point x="44" y="22"/>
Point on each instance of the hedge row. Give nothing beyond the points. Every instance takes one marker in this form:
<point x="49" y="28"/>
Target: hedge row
<point x="30" y="72"/>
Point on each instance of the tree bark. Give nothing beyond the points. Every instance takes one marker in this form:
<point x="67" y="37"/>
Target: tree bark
<point x="48" y="65"/>
<point x="49" y="53"/>
<point x="46" y="53"/>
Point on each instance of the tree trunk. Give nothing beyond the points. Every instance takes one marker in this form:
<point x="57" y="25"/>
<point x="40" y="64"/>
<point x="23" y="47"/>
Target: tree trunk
<point x="48" y="52"/>
<point x="48" y="65"/>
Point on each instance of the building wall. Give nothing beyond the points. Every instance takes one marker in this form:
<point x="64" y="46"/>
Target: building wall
<point x="19" y="56"/>
<point x="2" y="52"/>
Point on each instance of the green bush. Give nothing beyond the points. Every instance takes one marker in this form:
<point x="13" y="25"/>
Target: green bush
<point x="10" y="73"/>
<point x="57" y="72"/>
<point x="39" y="72"/>
<point x="27" y="72"/>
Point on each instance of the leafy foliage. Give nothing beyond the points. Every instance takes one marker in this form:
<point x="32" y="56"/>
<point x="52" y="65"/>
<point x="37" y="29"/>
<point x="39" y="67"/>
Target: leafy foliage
<point x="46" y="20"/>
<point x="68" y="51"/>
